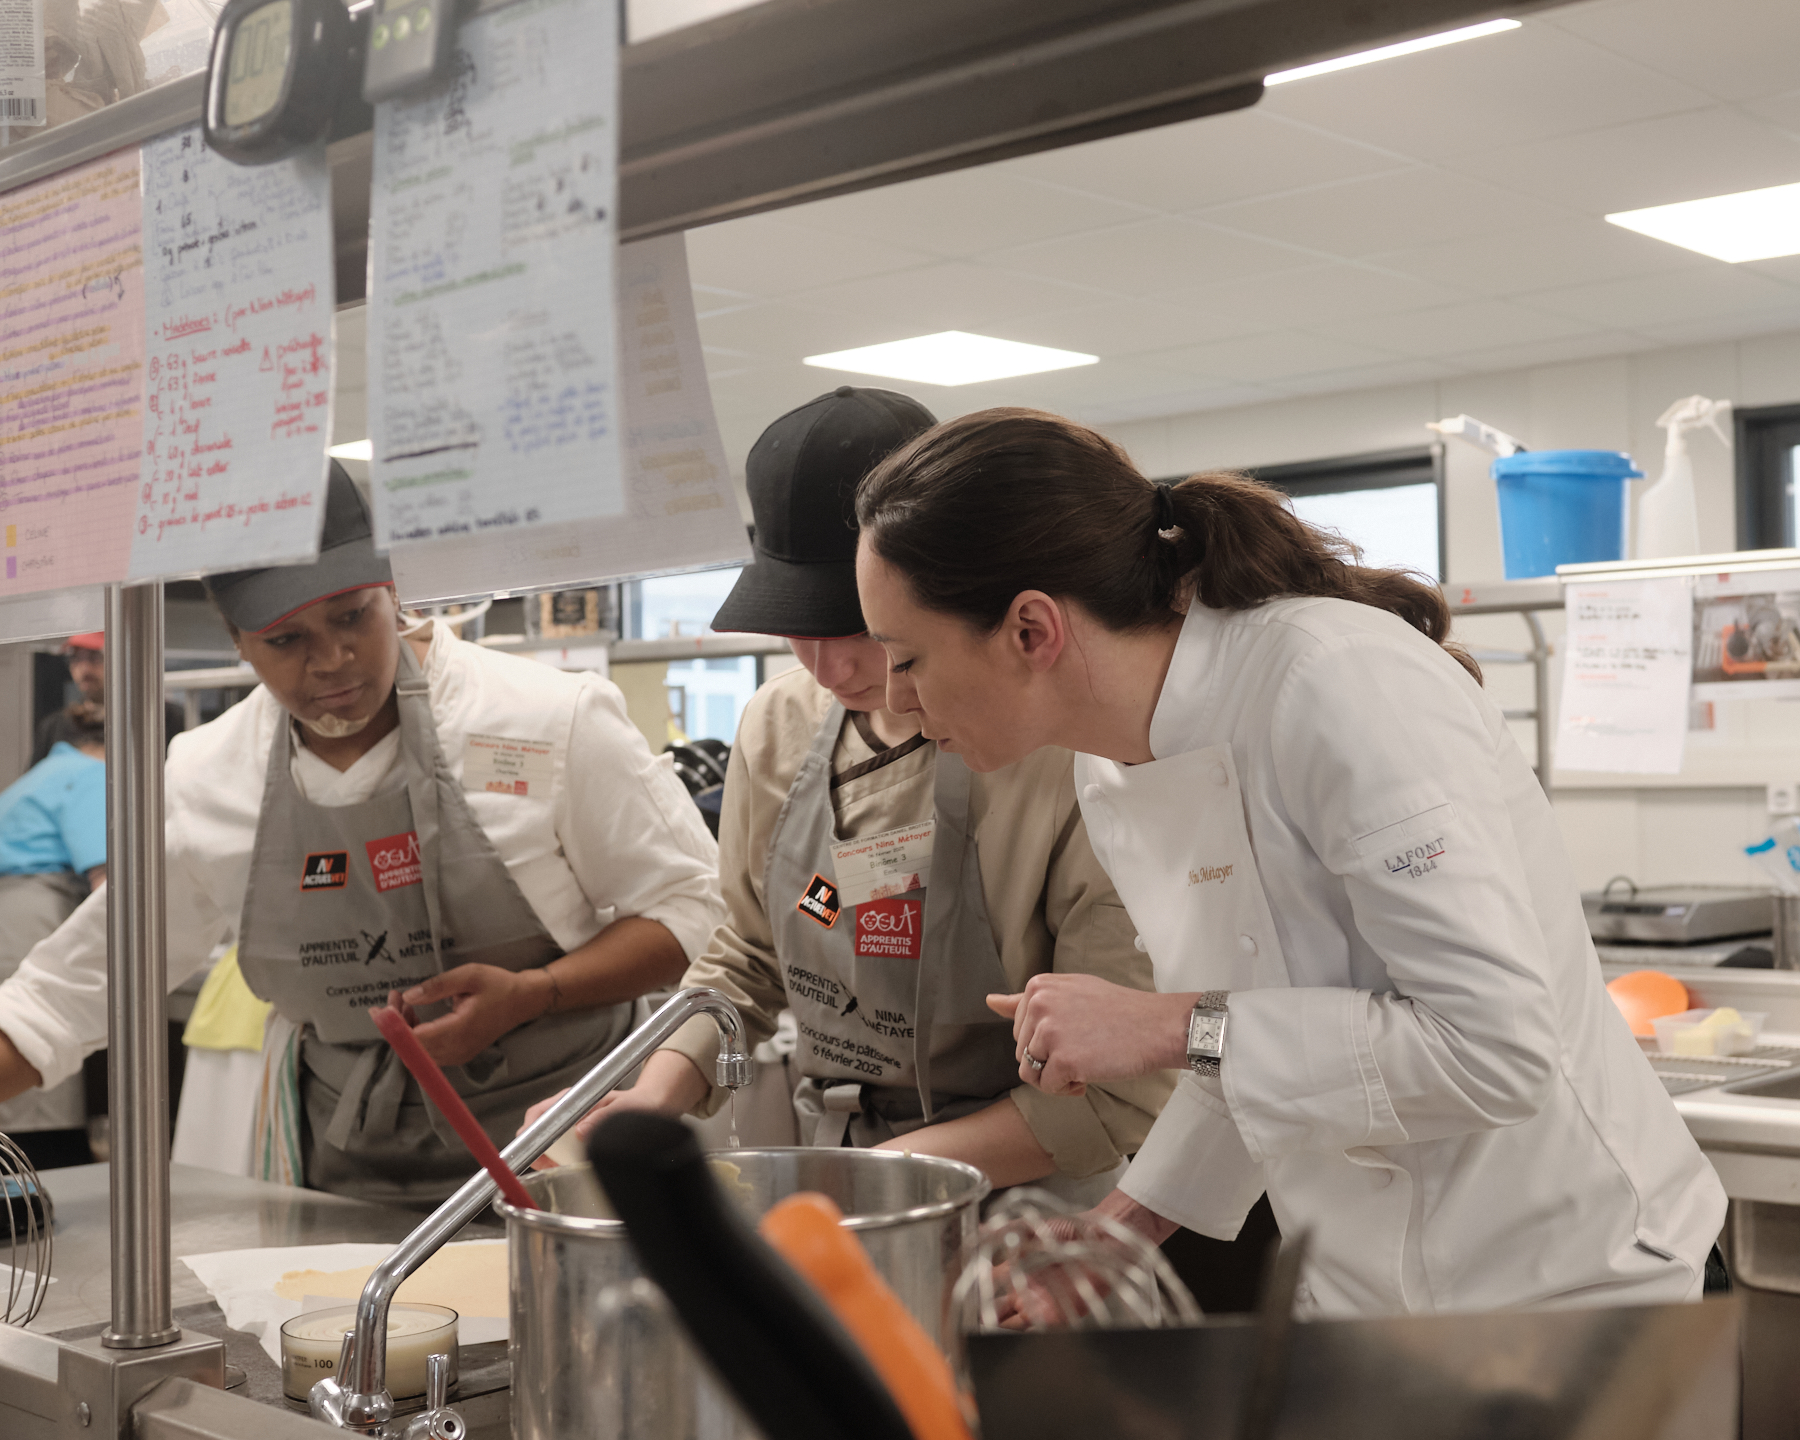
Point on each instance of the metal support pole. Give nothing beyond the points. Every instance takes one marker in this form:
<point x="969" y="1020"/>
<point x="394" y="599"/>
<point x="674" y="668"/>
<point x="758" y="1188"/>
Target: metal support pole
<point x="137" y="970"/>
<point x="1540" y="670"/>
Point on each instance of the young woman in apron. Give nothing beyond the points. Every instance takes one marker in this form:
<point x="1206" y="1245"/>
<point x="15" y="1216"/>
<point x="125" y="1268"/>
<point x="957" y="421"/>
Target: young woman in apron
<point x="886" y="963"/>
<point x="1371" y="952"/>
<point x="482" y="840"/>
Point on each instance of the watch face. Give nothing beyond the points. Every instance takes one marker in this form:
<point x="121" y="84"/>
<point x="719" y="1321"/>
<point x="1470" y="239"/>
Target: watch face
<point x="1207" y="1034"/>
<point x="258" y="63"/>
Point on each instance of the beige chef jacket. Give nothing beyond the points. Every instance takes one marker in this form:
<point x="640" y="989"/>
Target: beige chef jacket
<point x="1048" y="900"/>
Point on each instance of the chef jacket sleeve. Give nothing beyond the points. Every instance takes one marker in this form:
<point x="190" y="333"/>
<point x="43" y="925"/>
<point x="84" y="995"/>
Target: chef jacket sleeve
<point x="53" y="1008"/>
<point x="631" y="833"/>
<point x="1090" y="1133"/>
<point x="1392" y="766"/>
<point x="740" y="960"/>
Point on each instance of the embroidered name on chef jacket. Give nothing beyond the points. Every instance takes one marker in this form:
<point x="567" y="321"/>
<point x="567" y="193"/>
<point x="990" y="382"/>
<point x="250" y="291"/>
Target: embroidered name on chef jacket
<point x="499" y="766"/>
<point x="820" y="901"/>
<point x="1206" y="874"/>
<point x="1416" y="860"/>
<point x="326" y="870"/>
<point x="396" y="861"/>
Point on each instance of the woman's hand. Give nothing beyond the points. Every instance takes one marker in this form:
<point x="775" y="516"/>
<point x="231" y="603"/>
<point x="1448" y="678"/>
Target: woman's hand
<point x="669" y="1085"/>
<point x="1085" y="1030"/>
<point x="486" y="1002"/>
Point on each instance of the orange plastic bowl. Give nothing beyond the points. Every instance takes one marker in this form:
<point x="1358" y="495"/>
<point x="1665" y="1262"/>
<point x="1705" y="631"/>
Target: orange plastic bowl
<point x="1646" y="995"/>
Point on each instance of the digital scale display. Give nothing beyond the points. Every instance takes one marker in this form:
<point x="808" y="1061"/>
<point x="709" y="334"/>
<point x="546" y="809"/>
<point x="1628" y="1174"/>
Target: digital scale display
<point x="259" y="62"/>
<point x="272" y="82"/>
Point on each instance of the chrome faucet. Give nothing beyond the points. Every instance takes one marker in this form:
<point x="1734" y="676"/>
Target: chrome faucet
<point x="356" y="1397"/>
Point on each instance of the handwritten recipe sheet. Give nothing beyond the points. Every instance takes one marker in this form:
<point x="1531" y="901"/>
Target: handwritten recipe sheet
<point x="71" y="375"/>
<point x="238" y="293"/>
<point x="1626" y="672"/>
<point x="491" y="329"/>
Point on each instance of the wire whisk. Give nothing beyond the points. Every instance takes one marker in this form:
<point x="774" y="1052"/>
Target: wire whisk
<point x="30" y="1218"/>
<point x="1038" y="1264"/>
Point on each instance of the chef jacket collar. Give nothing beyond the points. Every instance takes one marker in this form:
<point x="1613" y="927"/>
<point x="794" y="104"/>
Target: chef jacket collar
<point x="1190" y="696"/>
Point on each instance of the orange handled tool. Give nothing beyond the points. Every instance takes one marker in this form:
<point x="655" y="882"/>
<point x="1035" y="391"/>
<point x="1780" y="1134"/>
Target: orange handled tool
<point x="804" y="1230"/>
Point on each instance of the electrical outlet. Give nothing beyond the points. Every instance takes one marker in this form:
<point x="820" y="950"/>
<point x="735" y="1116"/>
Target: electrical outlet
<point x="1784" y="798"/>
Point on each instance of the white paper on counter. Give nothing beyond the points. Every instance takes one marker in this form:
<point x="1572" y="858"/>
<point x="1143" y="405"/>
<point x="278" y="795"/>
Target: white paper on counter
<point x="1626" y="673"/>
<point x="492" y="342"/>
<point x="681" y="510"/>
<point x="243" y="1283"/>
<point x="238" y="299"/>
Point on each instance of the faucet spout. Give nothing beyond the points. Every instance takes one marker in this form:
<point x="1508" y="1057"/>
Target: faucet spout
<point x="356" y="1398"/>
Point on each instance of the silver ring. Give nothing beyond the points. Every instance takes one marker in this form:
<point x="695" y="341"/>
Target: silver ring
<point x="1033" y="1061"/>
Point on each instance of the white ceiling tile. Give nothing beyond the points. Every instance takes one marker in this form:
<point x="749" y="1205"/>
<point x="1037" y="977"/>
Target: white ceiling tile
<point x="1732" y="50"/>
<point x="1525" y="84"/>
<point x="766" y="257"/>
<point x="1184" y="402"/>
<point x="1205" y="162"/>
<point x="1763" y="321"/>
<point x="964" y="212"/>
<point x="1453" y="329"/>
<point x="1550" y="352"/>
<point x="1129" y="327"/>
<point x="1383" y="212"/>
<point x="1151" y="257"/>
<point x="785" y="331"/>
<point x="1786" y="268"/>
<point x="1277" y="355"/>
<point x="1364" y="377"/>
<point x="1642" y="302"/>
<point x="1782" y="111"/>
<point x="1567" y="252"/>
<point x="1651" y="162"/>
<point x="951" y="295"/>
<point x="1301" y="298"/>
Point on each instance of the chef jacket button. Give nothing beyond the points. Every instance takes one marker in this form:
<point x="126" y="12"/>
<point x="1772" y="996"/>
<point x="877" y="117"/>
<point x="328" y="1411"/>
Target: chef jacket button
<point x="1142" y="948"/>
<point x="1090" y="793"/>
<point x="1247" y="944"/>
<point x="1219" y="777"/>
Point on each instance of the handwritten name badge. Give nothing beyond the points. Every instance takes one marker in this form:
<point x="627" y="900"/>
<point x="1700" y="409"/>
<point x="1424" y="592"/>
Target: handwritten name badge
<point x="875" y="867"/>
<point x="508" y="767"/>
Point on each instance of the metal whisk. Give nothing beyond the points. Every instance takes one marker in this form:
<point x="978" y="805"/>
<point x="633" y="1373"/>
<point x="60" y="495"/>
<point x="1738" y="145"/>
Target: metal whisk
<point x="1040" y="1262"/>
<point x="27" y="1253"/>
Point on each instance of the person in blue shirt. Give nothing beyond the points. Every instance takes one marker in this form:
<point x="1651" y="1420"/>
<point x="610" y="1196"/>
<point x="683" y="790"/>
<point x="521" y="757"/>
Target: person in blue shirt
<point x="52" y="854"/>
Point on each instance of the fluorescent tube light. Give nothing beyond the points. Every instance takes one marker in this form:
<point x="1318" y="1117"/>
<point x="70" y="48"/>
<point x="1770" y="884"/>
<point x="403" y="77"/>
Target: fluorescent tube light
<point x="1388" y="52"/>
<point x="1750" y="225"/>
<point x="951" y="357"/>
<point x="354" y="450"/>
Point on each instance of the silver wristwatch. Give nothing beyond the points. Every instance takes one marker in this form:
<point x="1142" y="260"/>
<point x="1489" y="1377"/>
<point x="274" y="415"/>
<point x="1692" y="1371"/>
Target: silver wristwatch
<point x="1206" y="1032"/>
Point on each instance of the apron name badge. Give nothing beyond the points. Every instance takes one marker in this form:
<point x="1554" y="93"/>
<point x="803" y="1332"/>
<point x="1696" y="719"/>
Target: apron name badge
<point x="890" y="929"/>
<point x="326" y="870"/>
<point x="396" y="861"/>
<point x="877" y="867"/>
<point x="820" y="901"/>
<point x="497" y="765"/>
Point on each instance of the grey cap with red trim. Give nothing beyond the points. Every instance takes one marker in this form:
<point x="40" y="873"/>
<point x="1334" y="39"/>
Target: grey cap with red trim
<point x="258" y="599"/>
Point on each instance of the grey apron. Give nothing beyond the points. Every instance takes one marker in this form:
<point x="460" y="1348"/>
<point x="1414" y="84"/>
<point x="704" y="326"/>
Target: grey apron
<point x="887" y="1044"/>
<point x="32" y="907"/>
<point x="348" y="902"/>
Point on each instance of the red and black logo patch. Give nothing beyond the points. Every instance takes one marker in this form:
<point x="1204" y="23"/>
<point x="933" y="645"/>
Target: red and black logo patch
<point x="820" y="901"/>
<point x="326" y="870"/>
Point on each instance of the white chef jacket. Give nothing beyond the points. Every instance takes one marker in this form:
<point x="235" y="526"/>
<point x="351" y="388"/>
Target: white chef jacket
<point x="1422" y="1065"/>
<point x="604" y="830"/>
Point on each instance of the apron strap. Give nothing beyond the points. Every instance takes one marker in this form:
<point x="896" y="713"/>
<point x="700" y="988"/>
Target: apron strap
<point x="412" y="695"/>
<point x="943" y="907"/>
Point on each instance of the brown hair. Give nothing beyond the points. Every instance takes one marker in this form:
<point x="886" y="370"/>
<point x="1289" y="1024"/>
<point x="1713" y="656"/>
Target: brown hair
<point x="981" y="508"/>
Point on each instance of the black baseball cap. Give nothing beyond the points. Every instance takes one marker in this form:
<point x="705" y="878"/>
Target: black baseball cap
<point x="258" y="599"/>
<point x="802" y="476"/>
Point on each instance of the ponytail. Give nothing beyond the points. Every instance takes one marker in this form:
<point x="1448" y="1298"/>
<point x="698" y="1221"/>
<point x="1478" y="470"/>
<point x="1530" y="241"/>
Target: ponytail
<point x="981" y="508"/>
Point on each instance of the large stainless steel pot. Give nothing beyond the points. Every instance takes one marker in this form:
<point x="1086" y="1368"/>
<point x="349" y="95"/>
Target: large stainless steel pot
<point x="592" y="1357"/>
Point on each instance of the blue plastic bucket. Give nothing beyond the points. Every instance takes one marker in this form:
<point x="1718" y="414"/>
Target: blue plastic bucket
<point x="1562" y="507"/>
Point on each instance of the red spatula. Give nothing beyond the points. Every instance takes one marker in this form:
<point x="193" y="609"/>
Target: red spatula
<point x="438" y="1090"/>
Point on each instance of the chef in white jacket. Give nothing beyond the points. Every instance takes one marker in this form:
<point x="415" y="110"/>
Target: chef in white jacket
<point x="1370" y="952"/>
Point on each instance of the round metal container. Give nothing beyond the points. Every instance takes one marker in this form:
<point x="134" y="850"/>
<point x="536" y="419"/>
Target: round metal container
<point x="594" y="1355"/>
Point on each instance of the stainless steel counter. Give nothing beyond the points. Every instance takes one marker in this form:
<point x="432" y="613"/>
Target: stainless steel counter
<point x="209" y="1212"/>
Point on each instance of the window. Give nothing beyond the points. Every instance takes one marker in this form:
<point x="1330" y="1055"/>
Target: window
<point x="669" y="605"/>
<point x="1389" y="503"/>
<point x="1768" y="467"/>
<point x="707" y="697"/>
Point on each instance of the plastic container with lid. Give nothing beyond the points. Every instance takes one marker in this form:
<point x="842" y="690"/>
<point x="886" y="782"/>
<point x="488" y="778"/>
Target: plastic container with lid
<point x="1683" y="1034"/>
<point x="1562" y="507"/>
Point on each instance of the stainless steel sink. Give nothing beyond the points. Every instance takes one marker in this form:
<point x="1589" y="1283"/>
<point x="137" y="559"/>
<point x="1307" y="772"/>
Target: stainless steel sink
<point x="1782" y="1086"/>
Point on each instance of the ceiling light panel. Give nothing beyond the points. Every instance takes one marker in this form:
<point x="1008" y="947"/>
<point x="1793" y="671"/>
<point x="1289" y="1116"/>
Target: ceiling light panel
<point x="951" y="357"/>
<point x="1750" y="225"/>
<point x="1389" y="52"/>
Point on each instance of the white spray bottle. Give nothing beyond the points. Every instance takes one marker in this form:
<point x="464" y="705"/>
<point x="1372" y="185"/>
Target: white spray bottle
<point x="1668" y="515"/>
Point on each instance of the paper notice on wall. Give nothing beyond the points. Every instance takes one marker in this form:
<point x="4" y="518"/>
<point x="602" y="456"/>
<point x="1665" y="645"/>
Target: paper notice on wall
<point x="1626" y="673"/>
<point x="71" y="375"/>
<point x="239" y="293"/>
<point x="22" y="62"/>
<point x="681" y="511"/>
<point x="492" y="402"/>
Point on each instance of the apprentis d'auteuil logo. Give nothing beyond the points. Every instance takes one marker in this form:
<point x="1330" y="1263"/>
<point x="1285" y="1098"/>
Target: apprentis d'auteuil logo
<point x="1416" y="860"/>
